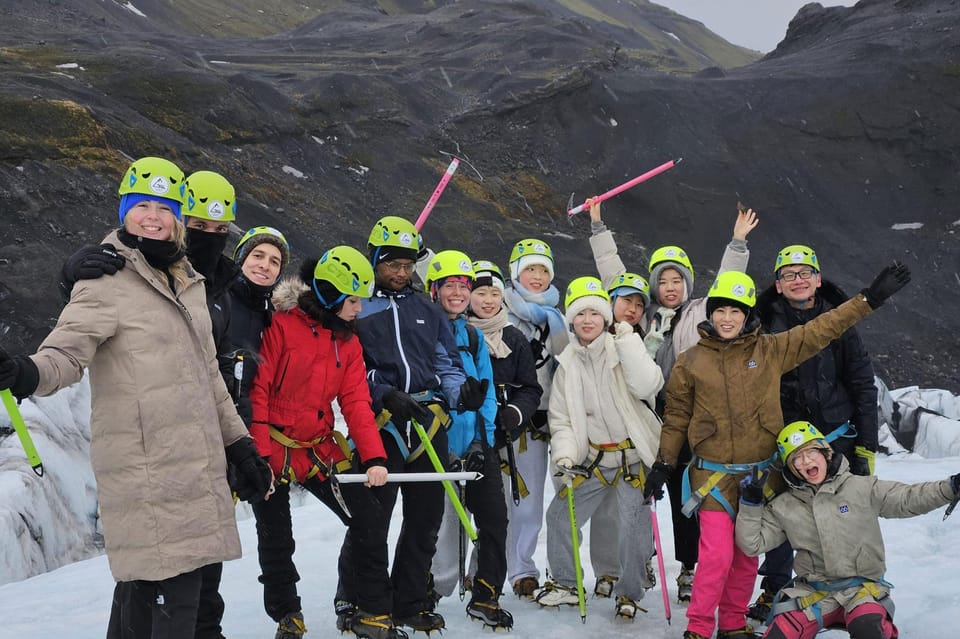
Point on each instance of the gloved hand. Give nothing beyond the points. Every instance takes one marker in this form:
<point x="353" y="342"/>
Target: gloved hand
<point x="253" y="475"/>
<point x="890" y="280"/>
<point x="955" y="484"/>
<point x="656" y="479"/>
<point x="509" y="421"/>
<point x="751" y="488"/>
<point x="89" y="263"/>
<point x="652" y="341"/>
<point x="402" y="408"/>
<point x="19" y="374"/>
<point x="622" y="329"/>
<point x="473" y="393"/>
<point x="862" y="462"/>
<point x="474" y="458"/>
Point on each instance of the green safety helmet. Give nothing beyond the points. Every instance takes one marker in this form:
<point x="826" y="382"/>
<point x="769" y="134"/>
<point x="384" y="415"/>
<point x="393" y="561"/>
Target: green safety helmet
<point x="583" y="293"/>
<point x="797" y="434"/>
<point x="529" y="252"/>
<point x="797" y="254"/>
<point x="346" y="271"/>
<point x="210" y="196"/>
<point x="151" y="178"/>
<point x="670" y="255"/>
<point x="259" y="234"/>
<point x="393" y="237"/>
<point x="488" y="274"/>
<point x="449" y="264"/>
<point x="734" y="286"/>
<point x="629" y="284"/>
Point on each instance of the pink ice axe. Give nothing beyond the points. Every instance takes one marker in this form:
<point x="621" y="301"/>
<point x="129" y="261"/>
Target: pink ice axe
<point x="663" y="573"/>
<point x="666" y="166"/>
<point x="425" y="213"/>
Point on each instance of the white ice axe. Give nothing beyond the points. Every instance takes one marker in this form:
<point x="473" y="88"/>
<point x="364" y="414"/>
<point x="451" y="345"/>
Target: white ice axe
<point x="360" y="478"/>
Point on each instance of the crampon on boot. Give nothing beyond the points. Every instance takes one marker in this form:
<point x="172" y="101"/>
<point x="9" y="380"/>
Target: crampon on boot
<point x="684" y="585"/>
<point x="525" y="587"/>
<point x="485" y="607"/>
<point x="291" y="627"/>
<point x="603" y="589"/>
<point x="627" y="607"/>
<point x="426" y="621"/>
<point x="740" y="633"/>
<point x="553" y="595"/>
<point x="368" y="626"/>
<point x="346" y="611"/>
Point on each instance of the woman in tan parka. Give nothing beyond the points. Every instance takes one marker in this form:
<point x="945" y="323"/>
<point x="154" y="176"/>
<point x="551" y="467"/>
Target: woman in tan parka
<point x="161" y="416"/>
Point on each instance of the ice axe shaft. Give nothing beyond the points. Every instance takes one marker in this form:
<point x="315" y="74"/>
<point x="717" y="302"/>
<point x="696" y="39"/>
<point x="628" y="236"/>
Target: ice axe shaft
<point x="447" y="485"/>
<point x="575" y="539"/>
<point x="21" y="428"/>
<point x="425" y="213"/>
<point x="660" y="568"/>
<point x="395" y="478"/>
<point x="628" y="185"/>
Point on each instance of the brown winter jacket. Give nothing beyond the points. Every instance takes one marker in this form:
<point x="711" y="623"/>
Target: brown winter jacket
<point x="161" y="416"/>
<point x="724" y="396"/>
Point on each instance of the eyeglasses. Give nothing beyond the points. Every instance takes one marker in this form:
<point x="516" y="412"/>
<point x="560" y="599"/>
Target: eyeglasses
<point x="805" y="456"/>
<point x="394" y="267"/>
<point x="789" y="276"/>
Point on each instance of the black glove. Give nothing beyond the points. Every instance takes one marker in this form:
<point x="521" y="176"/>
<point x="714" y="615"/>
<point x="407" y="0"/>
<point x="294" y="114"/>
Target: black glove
<point x="19" y="374"/>
<point x="402" y="408"/>
<point x="473" y="393"/>
<point x="751" y="488"/>
<point x="89" y="263"/>
<point x="955" y="484"/>
<point x="252" y="471"/>
<point x="658" y="476"/>
<point x="890" y="280"/>
<point x="474" y="457"/>
<point x="509" y="422"/>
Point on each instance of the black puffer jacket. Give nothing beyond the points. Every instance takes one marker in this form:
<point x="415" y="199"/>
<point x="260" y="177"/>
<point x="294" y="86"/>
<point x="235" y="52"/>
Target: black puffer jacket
<point x="834" y="386"/>
<point x="251" y="309"/>
<point x="516" y="375"/>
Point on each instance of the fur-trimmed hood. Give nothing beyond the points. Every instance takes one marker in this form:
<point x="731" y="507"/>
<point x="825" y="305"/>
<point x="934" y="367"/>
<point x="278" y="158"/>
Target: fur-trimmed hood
<point x="287" y="292"/>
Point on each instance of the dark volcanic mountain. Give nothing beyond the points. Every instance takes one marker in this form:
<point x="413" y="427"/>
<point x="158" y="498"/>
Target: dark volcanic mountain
<point x="844" y="138"/>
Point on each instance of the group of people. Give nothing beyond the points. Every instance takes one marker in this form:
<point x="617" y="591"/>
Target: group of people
<point x="212" y="377"/>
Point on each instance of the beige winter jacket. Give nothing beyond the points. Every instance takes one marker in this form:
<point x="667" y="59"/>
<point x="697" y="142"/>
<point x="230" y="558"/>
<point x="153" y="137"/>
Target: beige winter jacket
<point x="161" y="417"/>
<point x="637" y="379"/>
<point x="835" y="528"/>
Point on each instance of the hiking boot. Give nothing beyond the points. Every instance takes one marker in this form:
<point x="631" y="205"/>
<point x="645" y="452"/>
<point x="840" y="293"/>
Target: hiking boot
<point x="627" y="607"/>
<point x="760" y="610"/>
<point x="651" y="575"/>
<point x="291" y="627"/>
<point x="525" y="587"/>
<point x="689" y="634"/>
<point x="603" y="589"/>
<point x="346" y="611"/>
<point x="490" y="614"/>
<point x="367" y="626"/>
<point x="741" y="633"/>
<point x="553" y="595"/>
<point x="425" y="621"/>
<point x="684" y="585"/>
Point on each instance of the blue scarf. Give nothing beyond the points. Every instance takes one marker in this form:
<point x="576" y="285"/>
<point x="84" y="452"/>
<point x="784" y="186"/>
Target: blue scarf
<point x="538" y="309"/>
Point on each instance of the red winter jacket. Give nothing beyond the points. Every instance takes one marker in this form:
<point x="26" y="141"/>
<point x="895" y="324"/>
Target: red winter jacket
<point x="303" y="369"/>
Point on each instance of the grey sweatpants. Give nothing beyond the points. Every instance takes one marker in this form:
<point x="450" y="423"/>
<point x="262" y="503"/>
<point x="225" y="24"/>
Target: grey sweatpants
<point x="636" y="532"/>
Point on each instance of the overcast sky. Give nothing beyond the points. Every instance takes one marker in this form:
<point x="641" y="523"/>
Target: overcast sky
<point x="755" y="24"/>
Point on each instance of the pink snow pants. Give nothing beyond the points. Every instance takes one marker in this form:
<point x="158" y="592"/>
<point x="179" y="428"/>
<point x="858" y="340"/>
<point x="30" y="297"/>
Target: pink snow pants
<point x="795" y="625"/>
<point x="724" y="580"/>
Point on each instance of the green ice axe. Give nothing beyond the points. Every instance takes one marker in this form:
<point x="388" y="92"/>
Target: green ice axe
<point x="25" y="440"/>
<point x="447" y="485"/>
<point x="578" y="569"/>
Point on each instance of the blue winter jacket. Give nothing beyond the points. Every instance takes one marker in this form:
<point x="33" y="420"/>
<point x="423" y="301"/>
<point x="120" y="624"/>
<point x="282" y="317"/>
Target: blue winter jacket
<point x="408" y="345"/>
<point x="464" y="430"/>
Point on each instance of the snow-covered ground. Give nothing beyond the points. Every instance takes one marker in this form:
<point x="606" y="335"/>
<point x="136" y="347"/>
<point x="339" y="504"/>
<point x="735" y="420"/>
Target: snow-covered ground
<point x="73" y="600"/>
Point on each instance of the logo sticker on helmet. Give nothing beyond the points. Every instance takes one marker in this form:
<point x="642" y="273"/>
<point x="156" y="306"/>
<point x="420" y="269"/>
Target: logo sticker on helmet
<point x="159" y="185"/>
<point x="539" y="248"/>
<point x="215" y="210"/>
<point x="465" y="266"/>
<point x="739" y="290"/>
<point x="796" y="257"/>
<point x="406" y="239"/>
<point x="796" y="439"/>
